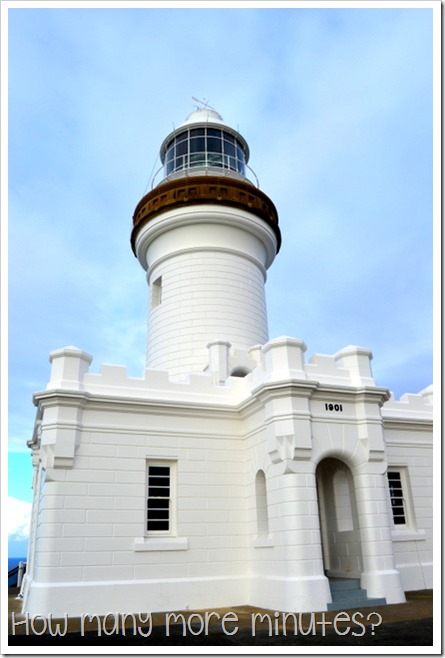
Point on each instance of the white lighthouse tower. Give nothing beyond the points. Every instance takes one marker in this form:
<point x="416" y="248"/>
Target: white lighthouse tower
<point x="234" y="471"/>
<point x="206" y="236"/>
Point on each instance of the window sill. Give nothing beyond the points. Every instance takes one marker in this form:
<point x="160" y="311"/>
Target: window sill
<point x="262" y="541"/>
<point x="408" y="535"/>
<point x="160" y="544"/>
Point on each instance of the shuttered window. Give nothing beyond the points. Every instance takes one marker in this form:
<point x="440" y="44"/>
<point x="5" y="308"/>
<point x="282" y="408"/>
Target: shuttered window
<point x="398" y="505"/>
<point x="159" y="501"/>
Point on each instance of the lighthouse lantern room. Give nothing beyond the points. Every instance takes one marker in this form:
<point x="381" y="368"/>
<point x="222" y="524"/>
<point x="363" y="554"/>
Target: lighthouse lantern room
<point x="206" y="236"/>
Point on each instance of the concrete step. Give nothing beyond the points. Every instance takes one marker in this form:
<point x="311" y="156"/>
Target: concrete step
<point x="355" y="605"/>
<point x="341" y="584"/>
<point x="347" y="594"/>
<point x="353" y="595"/>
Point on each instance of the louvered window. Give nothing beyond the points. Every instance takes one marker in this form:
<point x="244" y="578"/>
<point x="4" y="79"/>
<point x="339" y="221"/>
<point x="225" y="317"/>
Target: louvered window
<point x="159" y="501"/>
<point x="398" y="505"/>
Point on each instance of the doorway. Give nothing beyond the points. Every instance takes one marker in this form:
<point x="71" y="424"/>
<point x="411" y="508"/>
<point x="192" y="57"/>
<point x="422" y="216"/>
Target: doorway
<point x="339" y="524"/>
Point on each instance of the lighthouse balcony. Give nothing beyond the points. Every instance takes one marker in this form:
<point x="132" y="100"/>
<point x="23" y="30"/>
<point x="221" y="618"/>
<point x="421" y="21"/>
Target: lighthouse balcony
<point x="208" y="189"/>
<point x="204" y="166"/>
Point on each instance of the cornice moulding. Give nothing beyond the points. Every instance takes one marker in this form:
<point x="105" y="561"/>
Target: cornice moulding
<point x="108" y="402"/>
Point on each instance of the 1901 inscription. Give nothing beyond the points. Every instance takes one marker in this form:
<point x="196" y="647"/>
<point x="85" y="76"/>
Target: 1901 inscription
<point x="333" y="407"/>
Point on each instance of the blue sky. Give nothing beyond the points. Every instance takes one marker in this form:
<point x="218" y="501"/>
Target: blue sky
<point x="336" y="105"/>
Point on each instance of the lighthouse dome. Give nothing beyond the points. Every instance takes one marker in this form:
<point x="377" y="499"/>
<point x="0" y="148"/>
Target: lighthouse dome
<point x="203" y="114"/>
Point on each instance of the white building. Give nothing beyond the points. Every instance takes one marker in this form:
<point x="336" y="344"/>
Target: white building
<point x="233" y="472"/>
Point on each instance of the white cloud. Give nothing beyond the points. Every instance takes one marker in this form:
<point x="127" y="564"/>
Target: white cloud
<point x="18" y="518"/>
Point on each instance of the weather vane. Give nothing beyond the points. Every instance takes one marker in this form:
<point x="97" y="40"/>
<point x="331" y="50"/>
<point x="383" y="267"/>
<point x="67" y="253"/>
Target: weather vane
<point x="204" y="103"/>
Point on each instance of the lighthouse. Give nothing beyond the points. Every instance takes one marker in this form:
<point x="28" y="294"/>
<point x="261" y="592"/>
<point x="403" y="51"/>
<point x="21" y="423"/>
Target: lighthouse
<point x="205" y="236"/>
<point x="235" y="470"/>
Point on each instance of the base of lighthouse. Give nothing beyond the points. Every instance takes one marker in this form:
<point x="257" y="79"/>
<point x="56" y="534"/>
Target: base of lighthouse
<point x="218" y="491"/>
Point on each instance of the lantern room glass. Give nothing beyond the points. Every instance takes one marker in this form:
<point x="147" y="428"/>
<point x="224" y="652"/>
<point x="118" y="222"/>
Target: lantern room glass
<point x="204" y="147"/>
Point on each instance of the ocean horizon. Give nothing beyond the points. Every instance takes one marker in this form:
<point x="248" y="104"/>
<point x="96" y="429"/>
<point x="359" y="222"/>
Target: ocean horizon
<point x="13" y="562"/>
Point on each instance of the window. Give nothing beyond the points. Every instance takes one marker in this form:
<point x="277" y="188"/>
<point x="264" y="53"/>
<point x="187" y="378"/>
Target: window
<point x="160" y="529"/>
<point x="205" y="147"/>
<point x="261" y="504"/>
<point x="156" y="292"/>
<point x="398" y="504"/>
<point x="159" y="497"/>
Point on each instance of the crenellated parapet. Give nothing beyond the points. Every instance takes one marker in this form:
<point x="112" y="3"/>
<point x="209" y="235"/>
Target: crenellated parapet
<point x="229" y="371"/>
<point x="233" y="373"/>
<point x="411" y="407"/>
<point x="292" y="394"/>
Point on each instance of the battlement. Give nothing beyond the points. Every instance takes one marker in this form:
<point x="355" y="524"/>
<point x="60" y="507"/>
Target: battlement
<point x="70" y="372"/>
<point x="229" y="376"/>
<point x="411" y="405"/>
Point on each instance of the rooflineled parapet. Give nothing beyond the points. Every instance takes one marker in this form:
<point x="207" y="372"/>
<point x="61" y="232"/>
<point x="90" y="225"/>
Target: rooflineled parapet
<point x="68" y="368"/>
<point x="70" y="376"/>
<point x="280" y="359"/>
<point x="410" y="405"/>
<point x="350" y="366"/>
<point x="219" y="360"/>
<point x="225" y="375"/>
<point x="358" y="361"/>
<point x="284" y="358"/>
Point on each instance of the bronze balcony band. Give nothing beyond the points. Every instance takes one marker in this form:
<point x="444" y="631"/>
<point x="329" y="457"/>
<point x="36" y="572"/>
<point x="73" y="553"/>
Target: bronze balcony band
<point x="204" y="189"/>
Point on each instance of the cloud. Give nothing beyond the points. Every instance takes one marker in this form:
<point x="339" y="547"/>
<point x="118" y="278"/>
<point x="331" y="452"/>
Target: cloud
<point x="18" y="518"/>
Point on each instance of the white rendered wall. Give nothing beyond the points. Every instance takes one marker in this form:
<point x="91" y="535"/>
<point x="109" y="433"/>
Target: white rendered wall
<point x="206" y="271"/>
<point x="409" y="445"/>
<point x="91" y="554"/>
<point x="205" y="296"/>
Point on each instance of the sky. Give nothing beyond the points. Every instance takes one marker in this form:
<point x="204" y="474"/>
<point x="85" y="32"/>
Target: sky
<point x="336" y="105"/>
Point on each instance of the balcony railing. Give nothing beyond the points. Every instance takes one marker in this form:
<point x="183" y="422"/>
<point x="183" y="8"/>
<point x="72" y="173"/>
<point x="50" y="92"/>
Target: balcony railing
<point x="206" y="170"/>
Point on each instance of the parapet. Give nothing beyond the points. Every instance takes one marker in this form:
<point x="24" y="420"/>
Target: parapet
<point x="417" y="406"/>
<point x="230" y="376"/>
<point x="70" y="373"/>
<point x="68" y="368"/>
<point x="351" y="366"/>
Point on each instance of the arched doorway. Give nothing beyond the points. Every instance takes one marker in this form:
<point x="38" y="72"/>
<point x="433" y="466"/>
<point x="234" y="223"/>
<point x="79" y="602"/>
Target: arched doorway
<point x="339" y="524"/>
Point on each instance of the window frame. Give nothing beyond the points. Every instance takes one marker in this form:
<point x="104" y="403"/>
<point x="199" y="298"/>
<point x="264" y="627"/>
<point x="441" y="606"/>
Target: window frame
<point x="405" y="498"/>
<point x="396" y="497"/>
<point x="263" y="537"/>
<point x="156" y="293"/>
<point x="227" y="152"/>
<point x="171" y="531"/>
